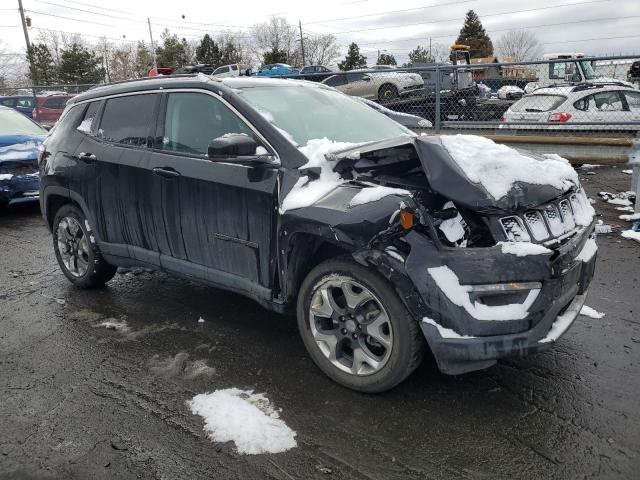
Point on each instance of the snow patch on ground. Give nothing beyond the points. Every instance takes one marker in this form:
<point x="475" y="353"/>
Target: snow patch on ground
<point x="628" y="172"/>
<point x="375" y="193"/>
<point x="630" y="218"/>
<point x="588" y="251"/>
<point x="448" y="282"/>
<point x="306" y="191"/>
<point x="590" y="312"/>
<point x="631" y="235"/>
<point x="444" y="331"/>
<point x="522" y="249"/>
<point x="497" y="167"/>
<point x="248" y="419"/>
<point x="113" y="324"/>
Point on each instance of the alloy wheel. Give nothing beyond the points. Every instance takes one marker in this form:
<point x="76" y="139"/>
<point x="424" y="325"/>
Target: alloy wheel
<point x="350" y="325"/>
<point x="73" y="246"/>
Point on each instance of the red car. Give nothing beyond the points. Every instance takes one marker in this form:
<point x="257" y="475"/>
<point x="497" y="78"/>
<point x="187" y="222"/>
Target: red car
<point x="49" y="108"/>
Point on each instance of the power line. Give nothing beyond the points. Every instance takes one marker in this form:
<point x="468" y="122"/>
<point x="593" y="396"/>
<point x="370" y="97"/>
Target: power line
<point x="394" y="11"/>
<point x="530" y="27"/>
<point x="457" y="19"/>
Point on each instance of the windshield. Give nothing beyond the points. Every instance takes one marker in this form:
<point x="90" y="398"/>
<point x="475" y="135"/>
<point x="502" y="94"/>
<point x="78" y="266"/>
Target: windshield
<point x="15" y="123"/>
<point x="587" y="68"/>
<point x="307" y="113"/>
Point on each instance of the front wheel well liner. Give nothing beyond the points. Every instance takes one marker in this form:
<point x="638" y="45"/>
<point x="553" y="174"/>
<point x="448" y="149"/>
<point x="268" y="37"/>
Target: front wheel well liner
<point x="55" y="202"/>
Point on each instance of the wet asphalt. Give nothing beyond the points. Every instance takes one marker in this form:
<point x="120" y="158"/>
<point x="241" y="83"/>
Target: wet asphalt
<point x="82" y="401"/>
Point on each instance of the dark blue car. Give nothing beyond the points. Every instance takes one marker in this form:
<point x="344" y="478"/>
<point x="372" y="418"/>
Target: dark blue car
<point x="276" y="70"/>
<point x="20" y="140"/>
<point x="22" y="103"/>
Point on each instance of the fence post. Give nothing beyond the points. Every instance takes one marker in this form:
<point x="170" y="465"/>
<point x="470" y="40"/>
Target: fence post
<point x="634" y="161"/>
<point x="438" y="88"/>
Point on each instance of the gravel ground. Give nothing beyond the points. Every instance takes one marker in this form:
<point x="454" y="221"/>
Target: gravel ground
<point x="79" y="400"/>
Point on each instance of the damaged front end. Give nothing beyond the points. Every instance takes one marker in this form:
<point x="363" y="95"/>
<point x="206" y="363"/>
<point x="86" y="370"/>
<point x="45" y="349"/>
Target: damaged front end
<point x="19" y="179"/>
<point x="485" y="277"/>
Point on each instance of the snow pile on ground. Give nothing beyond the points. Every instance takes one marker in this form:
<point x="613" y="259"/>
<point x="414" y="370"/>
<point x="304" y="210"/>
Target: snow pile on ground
<point x="448" y="282"/>
<point x="588" y="251"/>
<point x="628" y="172"/>
<point x="497" y="167"/>
<point x="375" y="193"/>
<point x="522" y="249"/>
<point x="631" y="235"/>
<point x="307" y="191"/>
<point x="630" y="218"/>
<point x="625" y="199"/>
<point x="248" y="419"/>
<point x="590" y="312"/>
<point x="444" y="331"/>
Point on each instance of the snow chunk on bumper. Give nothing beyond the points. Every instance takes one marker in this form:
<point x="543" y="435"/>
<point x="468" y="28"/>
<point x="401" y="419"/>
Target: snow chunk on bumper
<point x="497" y="167"/>
<point x="448" y="282"/>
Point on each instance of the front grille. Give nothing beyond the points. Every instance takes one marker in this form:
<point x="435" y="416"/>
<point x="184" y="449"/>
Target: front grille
<point x="549" y="223"/>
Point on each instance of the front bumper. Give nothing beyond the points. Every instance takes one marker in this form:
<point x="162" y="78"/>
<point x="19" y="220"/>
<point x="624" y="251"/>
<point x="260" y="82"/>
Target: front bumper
<point x="20" y="189"/>
<point x="463" y="341"/>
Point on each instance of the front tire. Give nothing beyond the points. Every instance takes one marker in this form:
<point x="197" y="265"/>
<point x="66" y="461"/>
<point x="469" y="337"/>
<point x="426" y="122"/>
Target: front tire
<point x="355" y="327"/>
<point x="76" y="251"/>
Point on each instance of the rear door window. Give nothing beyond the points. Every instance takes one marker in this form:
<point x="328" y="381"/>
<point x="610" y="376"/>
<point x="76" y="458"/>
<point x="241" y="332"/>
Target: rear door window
<point x="129" y="120"/>
<point x="192" y="120"/>
<point x="538" y="103"/>
<point x="221" y="70"/>
<point x="633" y="100"/>
<point x="601" y="102"/>
<point x="234" y="67"/>
<point x="90" y="116"/>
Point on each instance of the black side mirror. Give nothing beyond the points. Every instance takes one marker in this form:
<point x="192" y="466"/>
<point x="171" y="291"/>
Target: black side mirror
<point x="232" y="145"/>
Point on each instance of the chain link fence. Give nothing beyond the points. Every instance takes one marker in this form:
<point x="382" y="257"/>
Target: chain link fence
<point x="554" y="97"/>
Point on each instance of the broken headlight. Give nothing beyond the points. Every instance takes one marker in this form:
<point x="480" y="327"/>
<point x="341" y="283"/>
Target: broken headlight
<point x="460" y="228"/>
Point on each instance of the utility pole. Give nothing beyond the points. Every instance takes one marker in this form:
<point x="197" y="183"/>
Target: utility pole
<point x="430" y="57"/>
<point x="153" y="47"/>
<point x="29" y="55"/>
<point x="301" y="43"/>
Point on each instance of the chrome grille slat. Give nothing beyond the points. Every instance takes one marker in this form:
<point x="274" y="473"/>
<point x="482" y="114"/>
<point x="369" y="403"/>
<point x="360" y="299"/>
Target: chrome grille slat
<point x="552" y="223"/>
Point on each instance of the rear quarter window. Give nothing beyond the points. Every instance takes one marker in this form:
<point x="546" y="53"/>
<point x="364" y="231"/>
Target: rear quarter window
<point x="538" y="103"/>
<point x="129" y="120"/>
<point x="55" y="103"/>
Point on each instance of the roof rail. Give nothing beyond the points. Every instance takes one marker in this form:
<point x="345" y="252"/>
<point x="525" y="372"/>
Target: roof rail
<point x="590" y="85"/>
<point x="143" y="79"/>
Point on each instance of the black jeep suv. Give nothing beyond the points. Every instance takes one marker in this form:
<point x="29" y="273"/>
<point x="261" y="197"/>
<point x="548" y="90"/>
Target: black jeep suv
<point x="308" y="201"/>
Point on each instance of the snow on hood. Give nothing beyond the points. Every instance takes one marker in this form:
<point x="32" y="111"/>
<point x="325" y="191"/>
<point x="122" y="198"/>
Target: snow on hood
<point x="20" y="147"/>
<point x="498" y="167"/>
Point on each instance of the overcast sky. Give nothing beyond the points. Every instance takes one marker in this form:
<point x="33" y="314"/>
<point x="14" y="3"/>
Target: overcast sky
<point x="396" y="26"/>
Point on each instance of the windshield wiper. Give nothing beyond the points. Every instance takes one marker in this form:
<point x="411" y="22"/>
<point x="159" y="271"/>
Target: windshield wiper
<point x="533" y="110"/>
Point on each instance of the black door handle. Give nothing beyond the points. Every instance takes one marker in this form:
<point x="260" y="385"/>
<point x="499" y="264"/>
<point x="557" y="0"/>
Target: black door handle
<point x="87" y="157"/>
<point x="166" y="172"/>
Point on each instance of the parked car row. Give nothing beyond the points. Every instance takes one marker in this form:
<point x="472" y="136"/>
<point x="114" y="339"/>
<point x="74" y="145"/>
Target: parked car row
<point x="44" y="109"/>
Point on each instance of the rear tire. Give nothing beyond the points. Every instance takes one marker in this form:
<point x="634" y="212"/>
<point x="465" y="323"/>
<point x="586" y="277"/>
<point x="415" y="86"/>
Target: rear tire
<point x="355" y="327"/>
<point x="76" y="251"/>
<point x="387" y="91"/>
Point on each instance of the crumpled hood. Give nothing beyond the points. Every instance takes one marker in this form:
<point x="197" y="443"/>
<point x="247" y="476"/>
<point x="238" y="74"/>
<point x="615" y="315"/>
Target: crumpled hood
<point x="446" y="176"/>
<point x="19" y="147"/>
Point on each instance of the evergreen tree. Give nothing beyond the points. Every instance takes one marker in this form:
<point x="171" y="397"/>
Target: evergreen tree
<point x="42" y="69"/>
<point x="79" y="65"/>
<point x="144" y="60"/>
<point x="232" y="53"/>
<point x="353" y="59"/>
<point x="474" y="35"/>
<point x="274" y="56"/>
<point x="172" y="52"/>
<point x="208" y="52"/>
<point x="419" y="55"/>
<point x="386" y="59"/>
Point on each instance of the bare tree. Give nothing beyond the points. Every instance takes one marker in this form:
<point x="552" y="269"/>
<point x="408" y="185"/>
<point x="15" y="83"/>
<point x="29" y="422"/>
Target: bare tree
<point x="321" y="49"/>
<point x="275" y="35"/>
<point x="518" y="46"/>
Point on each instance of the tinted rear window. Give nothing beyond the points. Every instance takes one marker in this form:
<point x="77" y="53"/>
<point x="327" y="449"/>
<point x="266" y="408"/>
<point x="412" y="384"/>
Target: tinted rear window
<point x="538" y="103"/>
<point x="56" y="103"/>
<point x="128" y="120"/>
